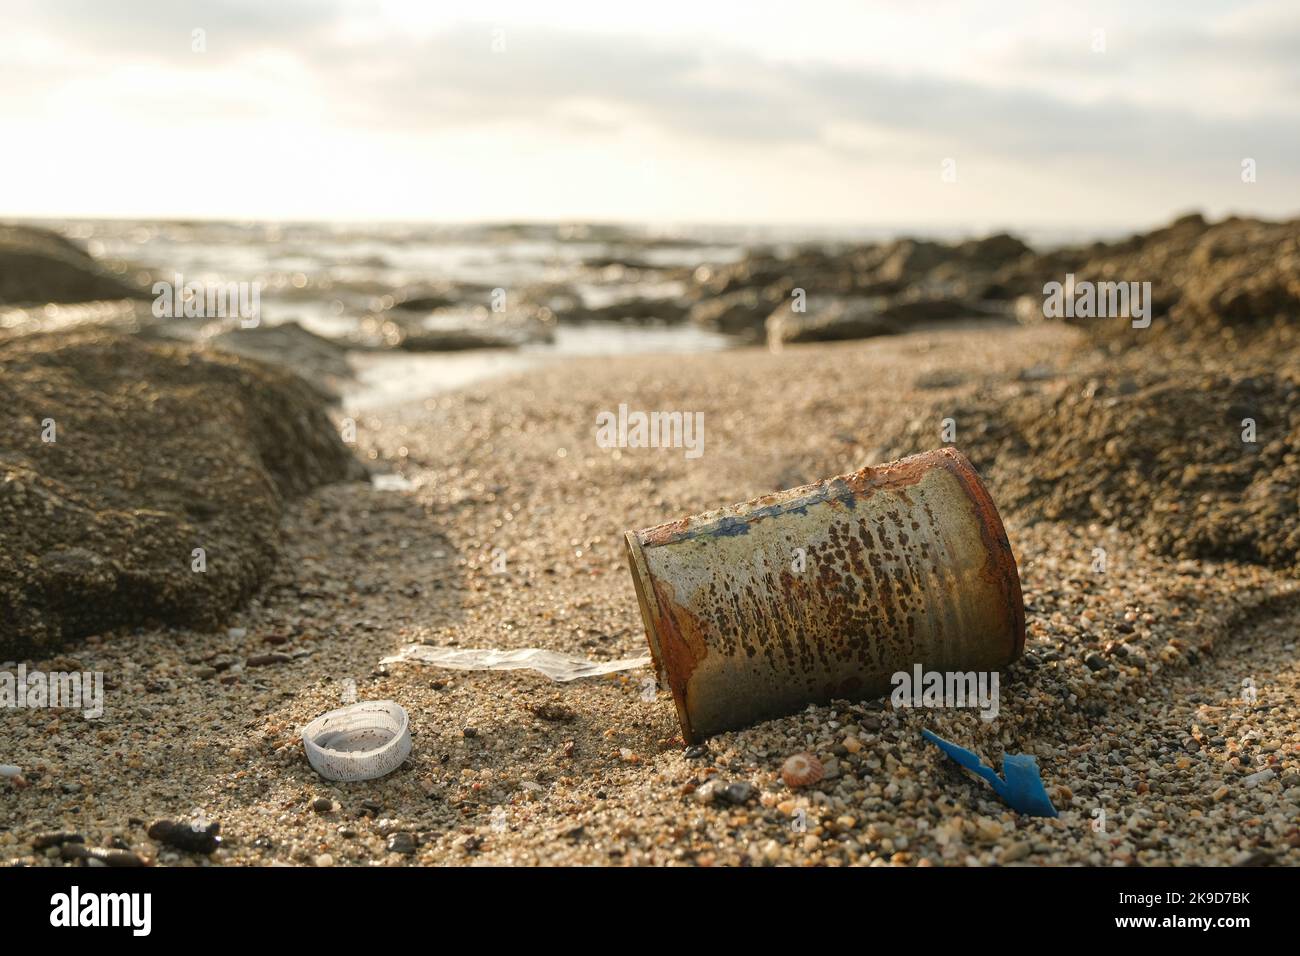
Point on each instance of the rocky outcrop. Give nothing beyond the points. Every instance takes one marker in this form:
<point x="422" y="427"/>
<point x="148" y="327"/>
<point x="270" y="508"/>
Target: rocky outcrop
<point x="835" y="320"/>
<point x="567" y="306"/>
<point x="1225" y="281"/>
<point x="315" y="357"/>
<point x="912" y="279"/>
<point x="639" y="309"/>
<point x="455" y="329"/>
<point x="1198" y="464"/>
<point x="740" y="313"/>
<point x="143" y="483"/>
<point x="40" y="266"/>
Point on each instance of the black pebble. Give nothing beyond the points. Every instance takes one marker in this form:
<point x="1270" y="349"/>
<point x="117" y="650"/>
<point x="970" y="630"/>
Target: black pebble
<point x="403" y="843"/>
<point x="182" y="836"/>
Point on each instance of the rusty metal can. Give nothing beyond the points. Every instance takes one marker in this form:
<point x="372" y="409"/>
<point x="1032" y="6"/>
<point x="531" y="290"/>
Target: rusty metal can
<point x="825" y="591"/>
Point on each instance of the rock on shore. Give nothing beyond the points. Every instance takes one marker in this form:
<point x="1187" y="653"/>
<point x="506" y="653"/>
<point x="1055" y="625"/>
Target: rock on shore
<point x="835" y="319"/>
<point x="1224" y="281"/>
<point x="1197" y="464"/>
<point x="1207" y="281"/>
<point x="909" y="279"/>
<point x="39" y="266"/>
<point x="831" y="321"/>
<point x="316" y="358"/>
<point x="157" y="452"/>
<point x="454" y="329"/>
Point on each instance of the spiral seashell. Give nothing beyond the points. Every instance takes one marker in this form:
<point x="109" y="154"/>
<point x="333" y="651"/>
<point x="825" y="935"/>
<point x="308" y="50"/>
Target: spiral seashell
<point x="801" y="770"/>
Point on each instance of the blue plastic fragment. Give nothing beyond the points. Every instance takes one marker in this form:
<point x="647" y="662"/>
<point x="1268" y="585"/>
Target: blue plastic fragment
<point x="1022" y="790"/>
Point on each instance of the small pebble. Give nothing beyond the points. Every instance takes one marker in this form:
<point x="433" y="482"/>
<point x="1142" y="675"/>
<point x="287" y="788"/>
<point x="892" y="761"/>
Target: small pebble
<point x="401" y="842"/>
<point x="183" y="836"/>
<point x="737" y="793"/>
<point x="1016" y="851"/>
<point x="265" y="660"/>
<point x="1255" y="779"/>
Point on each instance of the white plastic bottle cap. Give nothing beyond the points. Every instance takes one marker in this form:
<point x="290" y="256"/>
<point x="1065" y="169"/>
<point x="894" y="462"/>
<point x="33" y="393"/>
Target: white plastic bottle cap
<point x="359" y="742"/>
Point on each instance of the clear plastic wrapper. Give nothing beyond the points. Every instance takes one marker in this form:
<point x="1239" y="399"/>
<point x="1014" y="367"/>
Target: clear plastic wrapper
<point x="558" y="667"/>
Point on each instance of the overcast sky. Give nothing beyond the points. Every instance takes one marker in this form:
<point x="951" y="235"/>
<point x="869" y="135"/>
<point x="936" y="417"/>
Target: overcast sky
<point x="795" y="111"/>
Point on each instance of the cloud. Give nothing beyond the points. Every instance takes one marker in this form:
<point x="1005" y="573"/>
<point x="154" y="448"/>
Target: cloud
<point x="1175" y="105"/>
<point x="160" y="30"/>
<point x="421" y="81"/>
<point x="453" y="78"/>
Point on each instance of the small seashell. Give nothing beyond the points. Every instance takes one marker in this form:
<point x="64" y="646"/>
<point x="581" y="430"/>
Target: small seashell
<point x="801" y="770"/>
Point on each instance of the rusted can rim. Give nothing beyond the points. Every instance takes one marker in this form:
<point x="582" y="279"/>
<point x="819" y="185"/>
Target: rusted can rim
<point x="997" y="545"/>
<point x="650" y="616"/>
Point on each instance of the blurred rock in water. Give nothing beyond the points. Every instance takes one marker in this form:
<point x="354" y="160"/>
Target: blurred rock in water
<point x="122" y="459"/>
<point x="454" y="329"/>
<point x="829" y="320"/>
<point x="908" y="279"/>
<point x="840" y="318"/>
<point x="740" y="312"/>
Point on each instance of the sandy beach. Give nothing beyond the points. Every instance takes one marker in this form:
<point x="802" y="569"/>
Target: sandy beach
<point x="1129" y="693"/>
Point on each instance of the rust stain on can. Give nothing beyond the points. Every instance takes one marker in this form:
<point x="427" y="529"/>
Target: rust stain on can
<point x="821" y="592"/>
